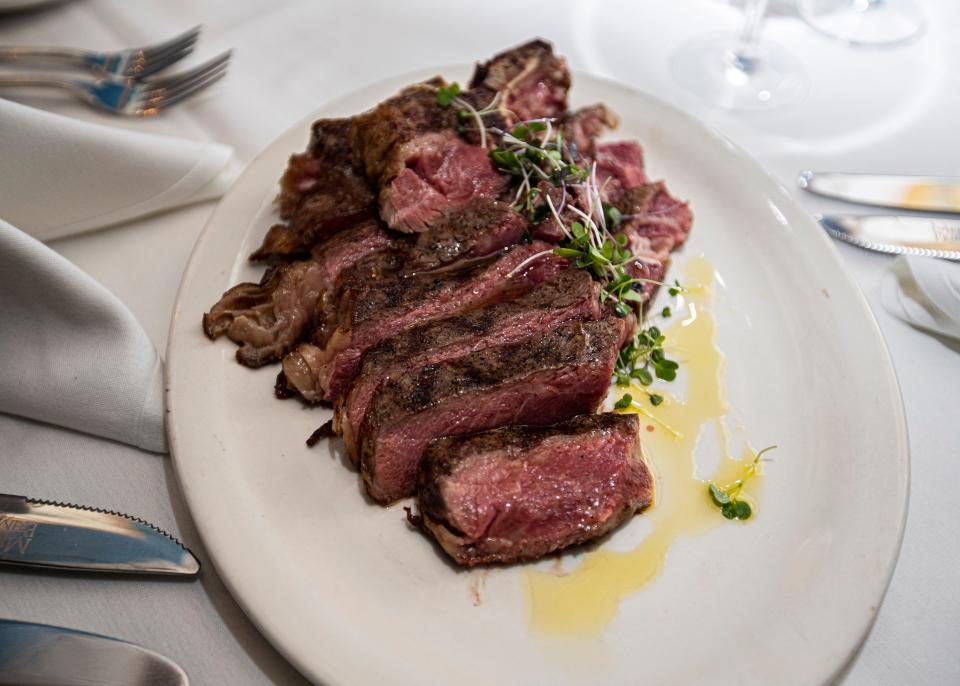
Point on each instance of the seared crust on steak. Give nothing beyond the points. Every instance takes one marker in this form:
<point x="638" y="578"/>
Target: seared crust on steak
<point x="571" y="294"/>
<point x="320" y="194"/>
<point x="541" y="380"/>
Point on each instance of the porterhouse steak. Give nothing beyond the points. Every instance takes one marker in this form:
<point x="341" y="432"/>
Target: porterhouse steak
<point x="413" y="283"/>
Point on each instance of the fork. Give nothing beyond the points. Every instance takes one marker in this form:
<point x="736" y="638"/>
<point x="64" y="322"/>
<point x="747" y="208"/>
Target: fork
<point x="129" y="96"/>
<point x="132" y="63"/>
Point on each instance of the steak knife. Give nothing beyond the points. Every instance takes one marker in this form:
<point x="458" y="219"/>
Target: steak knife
<point x="34" y="654"/>
<point x="37" y="533"/>
<point x="927" y="193"/>
<point x="926" y="237"/>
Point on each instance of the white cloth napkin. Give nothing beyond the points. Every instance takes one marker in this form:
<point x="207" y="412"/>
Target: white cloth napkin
<point x="70" y="352"/>
<point x="924" y="292"/>
<point x="60" y="176"/>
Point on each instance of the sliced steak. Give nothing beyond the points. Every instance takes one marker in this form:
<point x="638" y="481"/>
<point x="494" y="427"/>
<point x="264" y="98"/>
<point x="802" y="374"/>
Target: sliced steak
<point x="571" y="294"/>
<point x="458" y="238"/>
<point x="371" y="312"/>
<point x="582" y="127"/>
<point x="375" y="135"/>
<point x="655" y="224"/>
<point x="619" y="168"/>
<point x="650" y="213"/>
<point x="522" y="492"/>
<point x="531" y="80"/>
<point x="541" y="380"/>
<point x="320" y="194"/>
<point x="269" y="318"/>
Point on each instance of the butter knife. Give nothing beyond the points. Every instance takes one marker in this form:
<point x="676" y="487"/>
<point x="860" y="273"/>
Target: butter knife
<point x="923" y="236"/>
<point x="34" y="654"/>
<point x="927" y="193"/>
<point x="37" y="533"/>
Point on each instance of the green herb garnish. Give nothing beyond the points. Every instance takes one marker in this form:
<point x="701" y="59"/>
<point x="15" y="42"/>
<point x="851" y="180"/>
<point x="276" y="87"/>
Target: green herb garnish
<point x="644" y="358"/>
<point x="624" y="402"/>
<point x="726" y="498"/>
<point x="446" y="94"/>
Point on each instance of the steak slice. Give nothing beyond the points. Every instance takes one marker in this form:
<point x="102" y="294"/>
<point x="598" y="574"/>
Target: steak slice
<point x="371" y="312"/>
<point x="571" y="294"/>
<point x="435" y="173"/>
<point x="651" y="214"/>
<point x="478" y="230"/>
<point x="582" y="127"/>
<point x="619" y="167"/>
<point x="269" y="318"/>
<point x="544" y="379"/>
<point x="522" y="492"/>
<point x="320" y="194"/>
<point x="375" y="135"/>
<point x="532" y="82"/>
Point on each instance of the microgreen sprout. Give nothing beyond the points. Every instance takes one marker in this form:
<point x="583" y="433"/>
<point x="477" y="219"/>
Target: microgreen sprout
<point x="643" y="359"/>
<point x="554" y="184"/>
<point x="726" y="498"/>
<point x="446" y="94"/>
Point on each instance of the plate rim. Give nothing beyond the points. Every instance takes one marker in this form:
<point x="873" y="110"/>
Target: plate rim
<point x="841" y="664"/>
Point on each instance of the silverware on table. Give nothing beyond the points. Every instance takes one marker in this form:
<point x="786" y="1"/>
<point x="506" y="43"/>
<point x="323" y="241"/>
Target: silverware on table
<point x="132" y="63"/>
<point x="923" y="236"/>
<point x="41" y="534"/>
<point x="129" y="96"/>
<point x="55" y="656"/>
<point x="927" y="193"/>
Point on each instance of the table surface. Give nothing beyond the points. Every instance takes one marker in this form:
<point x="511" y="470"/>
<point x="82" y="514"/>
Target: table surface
<point x="886" y="111"/>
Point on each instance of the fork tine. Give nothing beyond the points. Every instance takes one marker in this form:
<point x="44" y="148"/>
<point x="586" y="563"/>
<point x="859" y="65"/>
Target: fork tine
<point x="185" y="77"/>
<point x="176" y="89"/>
<point x="159" y="63"/>
<point x="188" y="43"/>
<point x="189" y="92"/>
<point x="188" y="36"/>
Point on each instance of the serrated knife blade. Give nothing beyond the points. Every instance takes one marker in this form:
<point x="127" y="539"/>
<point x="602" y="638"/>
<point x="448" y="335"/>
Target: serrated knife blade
<point x="921" y="236"/>
<point x="925" y="193"/>
<point x="34" y="654"/>
<point x="36" y="533"/>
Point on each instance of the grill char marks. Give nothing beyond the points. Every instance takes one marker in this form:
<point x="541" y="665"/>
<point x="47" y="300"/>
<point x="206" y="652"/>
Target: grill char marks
<point x="541" y="380"/>
<point x="532" y="82"/>
<point x="320" y="194"/>
<point x="571" y="294"/>
<point x="371" y="311"/>
<point x="269" y="318"/>
<point x="522" y="492"/>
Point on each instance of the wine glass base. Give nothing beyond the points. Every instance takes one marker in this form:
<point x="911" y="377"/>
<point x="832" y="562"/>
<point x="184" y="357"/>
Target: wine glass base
<point x="711" y="69"/>
<point x="865" y="22"/>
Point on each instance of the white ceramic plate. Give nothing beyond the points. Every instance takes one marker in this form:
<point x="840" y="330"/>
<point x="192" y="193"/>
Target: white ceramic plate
<point x="351" y="595"/>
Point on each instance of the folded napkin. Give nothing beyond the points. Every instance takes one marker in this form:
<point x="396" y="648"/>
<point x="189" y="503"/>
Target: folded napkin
<point x="60" y="176"/>
<point x="71" y="353"/>
<point x="924" y="292"/>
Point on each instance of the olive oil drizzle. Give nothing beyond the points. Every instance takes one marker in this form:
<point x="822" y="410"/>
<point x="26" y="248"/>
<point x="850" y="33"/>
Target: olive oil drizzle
<point x="583" y="601"/>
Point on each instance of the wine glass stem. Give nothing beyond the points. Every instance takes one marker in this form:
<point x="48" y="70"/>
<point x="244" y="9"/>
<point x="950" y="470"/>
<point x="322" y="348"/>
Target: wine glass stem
<point x="745" y="56"/>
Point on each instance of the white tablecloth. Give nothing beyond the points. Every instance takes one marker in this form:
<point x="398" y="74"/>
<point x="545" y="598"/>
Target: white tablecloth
<point x="869" y="110"/>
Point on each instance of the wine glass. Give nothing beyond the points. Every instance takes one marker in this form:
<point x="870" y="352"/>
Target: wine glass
<point x="864" y="22"/>
<point x="741" y="72"/>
